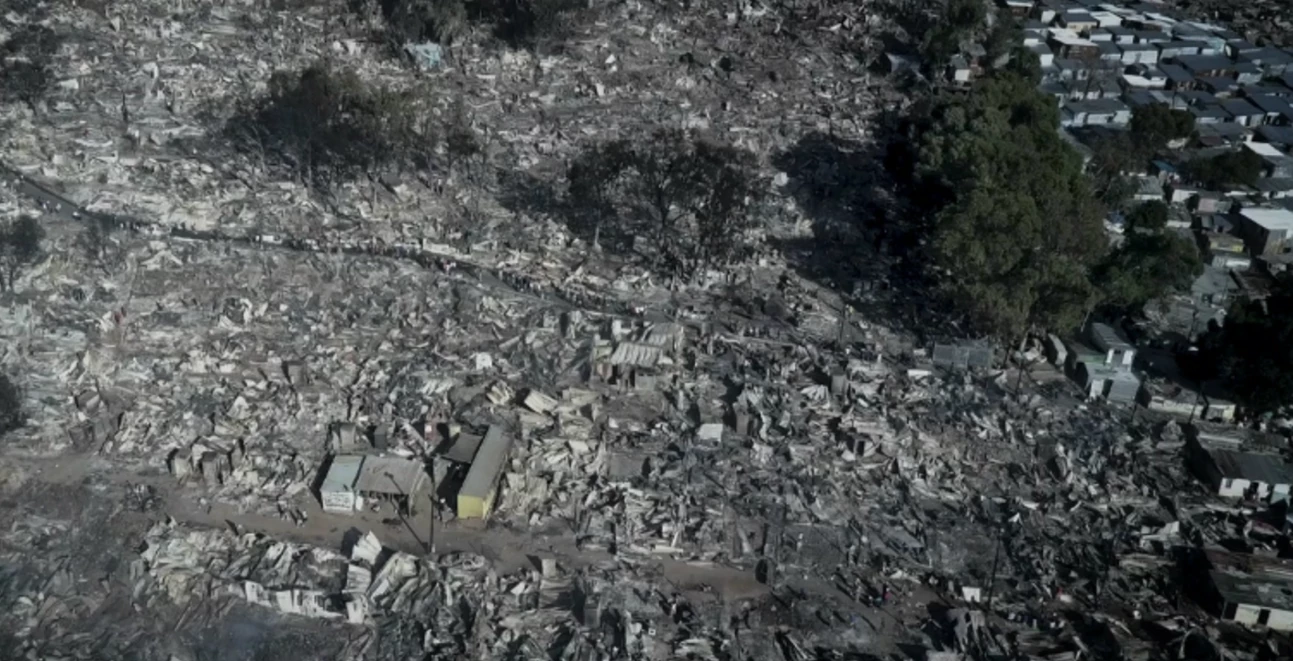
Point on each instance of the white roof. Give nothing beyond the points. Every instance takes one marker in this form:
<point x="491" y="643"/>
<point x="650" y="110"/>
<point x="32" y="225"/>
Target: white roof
<point x="1270" y="219"/>
<point x="1106" y="18"/>
<point x="1069" y="38"/>
<point x="1263" y="149"/>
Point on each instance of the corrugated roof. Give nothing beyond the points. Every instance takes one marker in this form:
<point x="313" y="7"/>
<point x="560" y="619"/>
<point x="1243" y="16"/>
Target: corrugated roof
<point x="488" y="464"/>
<point x="342" y="474"/>
<point x="1267" y="468"/>
<point x="391" y="475"/>
<point x="1107" y="337"/>
<point x="1270" y="219"/>
<point x="1252" y="591"/>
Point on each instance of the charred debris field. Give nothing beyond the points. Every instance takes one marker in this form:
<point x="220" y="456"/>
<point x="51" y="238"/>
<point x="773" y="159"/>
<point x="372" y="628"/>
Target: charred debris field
<point x="574" y="329"/>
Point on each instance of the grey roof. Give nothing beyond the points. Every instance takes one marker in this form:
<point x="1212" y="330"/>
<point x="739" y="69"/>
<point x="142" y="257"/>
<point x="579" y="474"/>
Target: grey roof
<point x="1276" y="135"/>
<point x="1137" y="48"/>
<point x="1269" y="103"/>
<point x="1242" y="46"/>
<point x="1213" y="280"/>
<point x="1176" y="73"/>
<point x="1107" y="337"/>
<point x="1275" y="185"/>
<point x="390" y="475"/>
<point x="1053" y="89"/>
<point x="1272" y="89"/>
<point x="1198" y="97"/>
<point x="1139" y="98"/>
<point x="1267" y="468"/>
<point x="1205" y="62"/>
<point x="1223" y="132"/>
<point x="1240" y="108"/>
<point x="342" y="474"/>
<point x="964" y="355"/>
<point x="488" y="463"/>
<point x="1208" y="112"/>
<point x="1268" y="56"/>
<point x="1180" y="45"/>
<point x="1096" y="106"/>
<point x="1251" y="591"/>
<point x="1186" y="31"/>
<point x="1219" y="83"/>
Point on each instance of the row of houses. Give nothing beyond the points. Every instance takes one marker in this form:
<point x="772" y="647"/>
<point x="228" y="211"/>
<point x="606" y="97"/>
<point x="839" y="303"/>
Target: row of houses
<point x="1101" y="61"/>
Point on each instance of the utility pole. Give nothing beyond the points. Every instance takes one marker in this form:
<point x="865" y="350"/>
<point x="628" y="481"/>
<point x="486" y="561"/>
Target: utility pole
<point x="992" y="582"/>
<point x="435" y="508"/>
<point x="408" y="500"/>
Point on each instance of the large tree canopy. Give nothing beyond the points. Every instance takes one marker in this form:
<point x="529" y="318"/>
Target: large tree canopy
<point x="1256" y="352"/>
<point x="1146" y="266"/>
<point x="1154" y="125"/>
<point x="1236" y="167"/>
<point x="1015" y="227"/>
<point x="681" y="202"/>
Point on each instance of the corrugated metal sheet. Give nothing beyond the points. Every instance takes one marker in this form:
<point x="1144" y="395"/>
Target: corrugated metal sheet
<point x="342" y="474"/>
<point x="1267" y="468"/>
<point x="963" y="356"/>
<point x="390" y="475"/>
<point x="635" y="354"/>
<point x="476" y="497"/>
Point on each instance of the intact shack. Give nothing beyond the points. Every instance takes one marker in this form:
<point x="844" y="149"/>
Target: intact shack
<point x="357" y="482"/>
<point x="480" y="487"/>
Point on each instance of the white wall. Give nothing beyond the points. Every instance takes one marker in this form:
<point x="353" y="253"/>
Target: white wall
<point x="342" y="502"/>
<point x="1235" y="488"/>
<point x="1232" y="488"/>
<point x="1280" y="620"/>
<point x="1245" y="614"/>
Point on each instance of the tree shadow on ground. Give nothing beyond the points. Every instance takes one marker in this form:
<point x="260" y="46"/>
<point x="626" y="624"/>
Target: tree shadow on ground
<point x="524" y="193"/>
<point x="862" y="246"/>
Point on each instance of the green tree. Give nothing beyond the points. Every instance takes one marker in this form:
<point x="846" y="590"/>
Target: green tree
<point x="1148" y="216"/>
<point x="1112" y="157"/>
<point x="958" y="20"/>
<point x="11" y="414"/>
<point x="1004" y="37"/>
<point x="1237" y="167"/>
<point x="965" y="15"/>
<point x="1256" y="352"/>
<point x="1016" y="227"/>
<point x="1025" y="64"/>
<point x="1154" y="125"/>
<point x="1146" y="266"/>
<point x="682" y="203"/>
<point x="19" y="248"/>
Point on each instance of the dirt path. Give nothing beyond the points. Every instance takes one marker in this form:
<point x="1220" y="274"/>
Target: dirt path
<point x="508" y="549"/>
